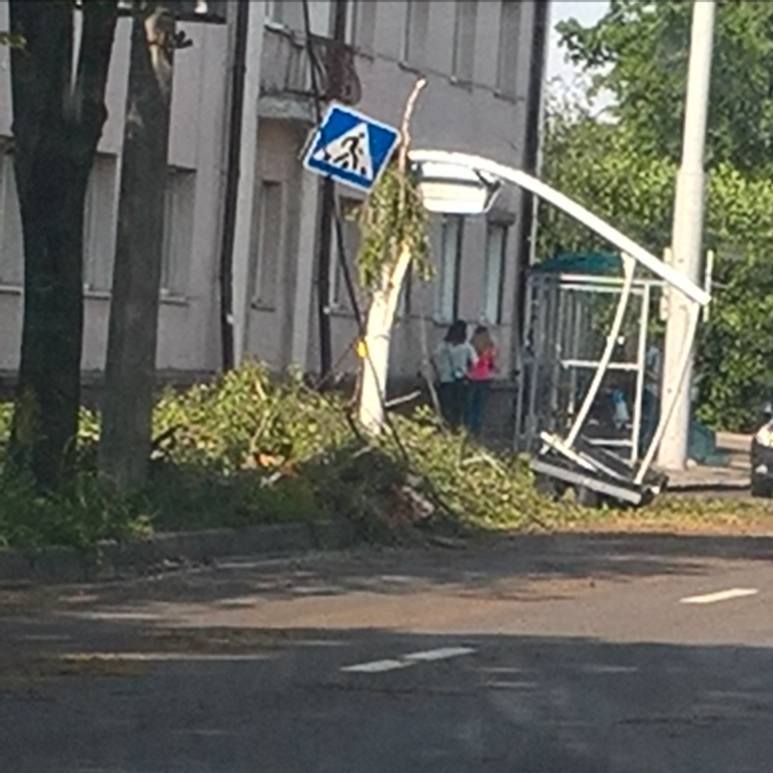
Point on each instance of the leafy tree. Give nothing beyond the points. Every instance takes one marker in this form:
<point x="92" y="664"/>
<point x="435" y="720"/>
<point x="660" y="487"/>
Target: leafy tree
<point x="624" y="167"/>
<point x="602" y="166"/>
<point x="735" y="354"/>
<point x="58" y="115"/>
<point x="638" y="51"/>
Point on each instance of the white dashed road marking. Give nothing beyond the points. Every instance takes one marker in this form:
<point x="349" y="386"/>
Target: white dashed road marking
<point x="377" y="666"/>
<point x="439" y="654"/>
<point x="411" y="659"/>
<point x="722" y="595"/>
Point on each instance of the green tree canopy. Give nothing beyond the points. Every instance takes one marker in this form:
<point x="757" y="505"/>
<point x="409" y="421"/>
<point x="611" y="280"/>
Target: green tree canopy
<point x="638" y="51"/>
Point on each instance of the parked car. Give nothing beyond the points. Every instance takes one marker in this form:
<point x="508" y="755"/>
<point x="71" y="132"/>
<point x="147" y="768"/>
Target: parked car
<point x="762" y="456"/>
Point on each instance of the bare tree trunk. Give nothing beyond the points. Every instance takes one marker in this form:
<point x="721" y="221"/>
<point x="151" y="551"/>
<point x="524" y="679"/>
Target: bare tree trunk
<point x="131" y="356"/>
<point x="58" y="118"/>
<point x="381" y="313"/>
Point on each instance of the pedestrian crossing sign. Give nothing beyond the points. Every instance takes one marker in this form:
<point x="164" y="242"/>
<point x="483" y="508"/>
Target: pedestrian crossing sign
<point x="350" y="147"/>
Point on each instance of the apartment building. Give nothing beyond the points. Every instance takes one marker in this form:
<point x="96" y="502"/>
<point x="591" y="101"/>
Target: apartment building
<point x="483" y="62"/>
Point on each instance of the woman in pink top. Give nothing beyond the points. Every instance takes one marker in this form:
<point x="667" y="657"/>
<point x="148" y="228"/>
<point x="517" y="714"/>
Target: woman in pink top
<point x="480" y="375"/>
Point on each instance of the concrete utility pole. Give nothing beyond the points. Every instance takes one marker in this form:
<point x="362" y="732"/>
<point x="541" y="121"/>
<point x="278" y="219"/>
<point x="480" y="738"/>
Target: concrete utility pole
<point x="687" y="234"/>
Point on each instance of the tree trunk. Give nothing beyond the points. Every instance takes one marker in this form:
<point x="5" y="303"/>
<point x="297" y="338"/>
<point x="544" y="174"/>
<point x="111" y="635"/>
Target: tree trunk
<point x="378" y="333"/>
<point x="375" y="369"/>
<point x="58" y="118"/>
<point x="131" y="354"/>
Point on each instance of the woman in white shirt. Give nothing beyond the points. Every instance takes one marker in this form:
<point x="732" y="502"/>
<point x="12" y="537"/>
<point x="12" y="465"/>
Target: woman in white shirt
<point x="452" y="360"/>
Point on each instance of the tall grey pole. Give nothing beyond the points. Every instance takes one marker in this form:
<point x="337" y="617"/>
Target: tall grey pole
<point x="687" y="233"/>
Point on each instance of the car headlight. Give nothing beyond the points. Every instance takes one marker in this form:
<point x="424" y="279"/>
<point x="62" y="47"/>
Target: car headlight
<point x="764" y="435"/>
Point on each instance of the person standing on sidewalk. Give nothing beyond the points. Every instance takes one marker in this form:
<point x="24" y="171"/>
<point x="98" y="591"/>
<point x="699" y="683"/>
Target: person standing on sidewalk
<point x="480" y="375"/>
<point x="452" y="360"/>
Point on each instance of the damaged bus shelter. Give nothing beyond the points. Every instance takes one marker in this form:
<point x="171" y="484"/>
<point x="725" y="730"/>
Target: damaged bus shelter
<point x="570" y="302"/>
<point x="587" y="437"/>
<point x="568" y="450"/>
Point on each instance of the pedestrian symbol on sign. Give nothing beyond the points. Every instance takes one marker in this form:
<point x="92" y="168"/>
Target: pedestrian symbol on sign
<point x="350" y="147"/>
<point x="350" y="152"/>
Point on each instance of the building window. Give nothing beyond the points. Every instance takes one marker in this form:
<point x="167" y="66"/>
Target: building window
<point x="362" y="24"/>
<point x="271" y="244"/>
<point x="447" y="298"/>
<point x="494" y="273"/>
<point x="509" y="32"/>
<point x="179" y="201"/>
<point x="273" y="11"/>
<point x="350" y="212"/>
<point x="289" y="13"/>
<point x="416" y="29"/>
<point x="11" y="240"/>
<point x="99" y="224"/>
<point x="464" y="40"/>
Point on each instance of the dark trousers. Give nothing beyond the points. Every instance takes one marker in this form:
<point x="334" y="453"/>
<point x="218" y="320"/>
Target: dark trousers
<point x="453" y="399"/>
<point x="476" y="405"/>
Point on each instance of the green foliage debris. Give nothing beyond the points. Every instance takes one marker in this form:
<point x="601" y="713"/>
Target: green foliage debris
<point x="250" y="448"/>
<point x="393" y="215"/>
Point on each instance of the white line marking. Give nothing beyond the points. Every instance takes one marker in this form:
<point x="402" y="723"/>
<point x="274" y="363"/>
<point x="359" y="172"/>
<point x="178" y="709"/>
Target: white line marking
<point x="603" y="668"/>
<point x="411" y="659"/>
<point x="377" y="666"/>
<point x="723" y="595"/>
<point x="439" y="654"/>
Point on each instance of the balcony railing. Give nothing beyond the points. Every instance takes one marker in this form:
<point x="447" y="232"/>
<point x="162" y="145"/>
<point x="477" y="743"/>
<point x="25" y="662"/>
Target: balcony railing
<point x="286" y="67"/>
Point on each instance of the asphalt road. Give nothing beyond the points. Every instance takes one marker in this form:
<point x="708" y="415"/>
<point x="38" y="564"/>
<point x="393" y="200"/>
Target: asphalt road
<point x="534" y="654"/>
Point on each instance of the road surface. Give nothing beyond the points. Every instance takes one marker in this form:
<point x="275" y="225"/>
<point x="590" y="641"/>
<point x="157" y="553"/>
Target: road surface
<point x="572" y="653"/>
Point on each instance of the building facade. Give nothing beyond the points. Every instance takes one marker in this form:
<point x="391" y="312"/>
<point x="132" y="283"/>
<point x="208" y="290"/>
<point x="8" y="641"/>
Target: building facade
<point x="483" y="62"/>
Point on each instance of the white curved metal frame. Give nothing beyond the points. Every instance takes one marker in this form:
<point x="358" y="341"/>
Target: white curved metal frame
<point x="629" y="268"/>
<point x="696" y="295"/>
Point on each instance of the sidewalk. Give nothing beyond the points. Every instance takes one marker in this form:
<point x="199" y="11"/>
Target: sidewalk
<point x="736" y="475"/>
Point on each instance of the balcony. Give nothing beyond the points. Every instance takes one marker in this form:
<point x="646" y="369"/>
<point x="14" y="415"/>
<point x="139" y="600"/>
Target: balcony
<point x="286" y="89"/>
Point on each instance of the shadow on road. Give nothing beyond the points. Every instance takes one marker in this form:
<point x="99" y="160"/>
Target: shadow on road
<point x="517" y="560"/>
<point x="514" y="703"/>
<point x="518" y="568"/>
<point x="238" y="668"/>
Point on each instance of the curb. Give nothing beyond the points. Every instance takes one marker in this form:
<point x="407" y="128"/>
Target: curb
<point x="167" y="551"/>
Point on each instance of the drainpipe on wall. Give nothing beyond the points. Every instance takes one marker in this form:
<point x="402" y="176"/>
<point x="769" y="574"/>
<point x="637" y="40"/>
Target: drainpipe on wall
<point x="536" y="108"/>
<point x="535" y="116"/>
<point x="240" y="179"/>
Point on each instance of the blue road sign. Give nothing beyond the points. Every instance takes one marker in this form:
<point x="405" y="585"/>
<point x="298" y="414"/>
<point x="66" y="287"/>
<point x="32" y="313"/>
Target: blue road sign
<point x="350" y="147"/>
